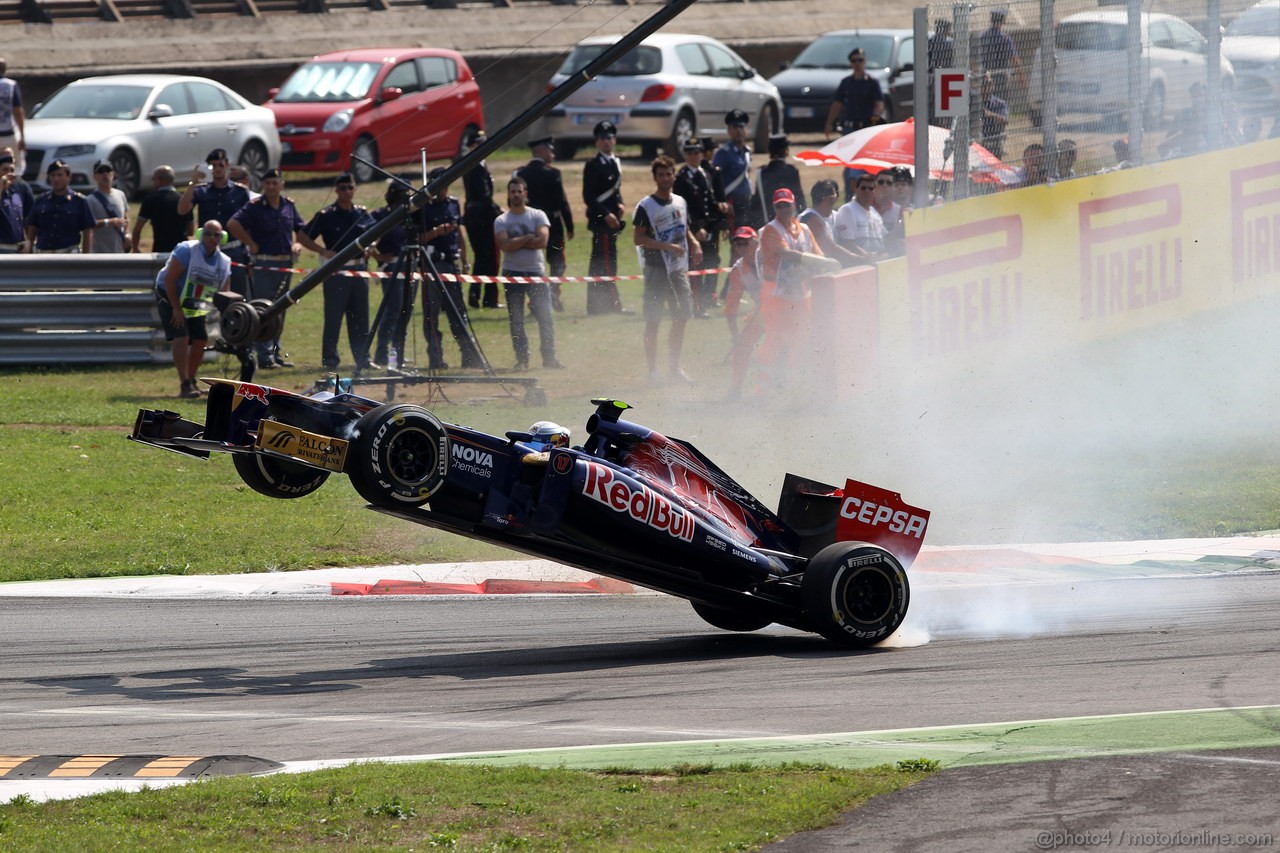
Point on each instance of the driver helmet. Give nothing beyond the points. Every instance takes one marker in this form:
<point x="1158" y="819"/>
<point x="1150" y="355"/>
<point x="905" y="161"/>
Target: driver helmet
<point x="547" y="434"/>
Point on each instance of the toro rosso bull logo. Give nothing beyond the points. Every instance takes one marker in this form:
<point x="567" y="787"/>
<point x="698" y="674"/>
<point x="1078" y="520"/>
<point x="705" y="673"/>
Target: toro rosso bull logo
<point x="252" y="392"/>
<point x="639" y="502"/>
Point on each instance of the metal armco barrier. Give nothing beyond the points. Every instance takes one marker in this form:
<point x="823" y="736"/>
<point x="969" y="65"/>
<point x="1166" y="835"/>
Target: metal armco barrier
<point x="79" y="309"/>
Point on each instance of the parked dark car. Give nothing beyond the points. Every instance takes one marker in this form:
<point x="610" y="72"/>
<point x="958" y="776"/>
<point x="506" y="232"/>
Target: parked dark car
<point x="809" y="83"/>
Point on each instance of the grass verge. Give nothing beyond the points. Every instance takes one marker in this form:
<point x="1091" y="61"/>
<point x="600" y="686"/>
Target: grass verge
<point x="436" y="806"/>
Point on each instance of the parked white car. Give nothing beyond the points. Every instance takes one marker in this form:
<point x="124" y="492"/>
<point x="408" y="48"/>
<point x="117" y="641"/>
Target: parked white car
<point x="1093" y="66"/>
<point x="1252" y="43"/>
<point x="667" y="89"/>
<point x="141" y="121"/>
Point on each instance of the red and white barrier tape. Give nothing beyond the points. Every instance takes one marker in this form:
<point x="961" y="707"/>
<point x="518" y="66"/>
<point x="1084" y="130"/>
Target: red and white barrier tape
<point x="490" y="279"/>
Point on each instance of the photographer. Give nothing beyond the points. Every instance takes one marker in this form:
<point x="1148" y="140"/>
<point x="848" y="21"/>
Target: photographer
<point x="16" y="199"/>
<point x="439" y="225"/>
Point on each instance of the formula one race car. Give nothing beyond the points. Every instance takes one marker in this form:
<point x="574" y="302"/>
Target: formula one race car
<point x="629" y="503"/>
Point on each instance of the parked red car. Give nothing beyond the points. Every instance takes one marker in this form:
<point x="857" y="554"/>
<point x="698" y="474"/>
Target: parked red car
<point x="384" y="104"/>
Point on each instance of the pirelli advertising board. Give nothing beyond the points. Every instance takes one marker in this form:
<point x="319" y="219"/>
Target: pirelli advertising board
<point x="1086" y="258"/>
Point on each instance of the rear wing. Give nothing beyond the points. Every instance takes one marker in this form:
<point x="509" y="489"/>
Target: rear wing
<point x="821" y="515"/>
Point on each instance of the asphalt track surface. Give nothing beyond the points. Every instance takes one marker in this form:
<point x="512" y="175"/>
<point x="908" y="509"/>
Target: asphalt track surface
<point x="326" y="678"/>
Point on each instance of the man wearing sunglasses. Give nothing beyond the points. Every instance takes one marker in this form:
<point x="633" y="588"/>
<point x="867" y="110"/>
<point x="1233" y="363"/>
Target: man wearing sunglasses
<point x="859" y="97"/>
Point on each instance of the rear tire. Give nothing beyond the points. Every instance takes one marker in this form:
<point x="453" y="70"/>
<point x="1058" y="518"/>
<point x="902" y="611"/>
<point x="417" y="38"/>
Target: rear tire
<point x="399" y="456"/>
<point x="855" y="594"/>
<point x="254" y="160"/>
<point x="730" y="620"/>
<point x="277" y="478"/>
<point x="686" y="127"/>
<point x="128" y="172"/>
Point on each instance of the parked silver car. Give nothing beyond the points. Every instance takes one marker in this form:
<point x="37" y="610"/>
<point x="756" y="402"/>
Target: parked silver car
<point x="667" y="89"/>
<point x="1252" y="43"/>
<point x="141" y="121"/>
<point x="1092" y="62"/>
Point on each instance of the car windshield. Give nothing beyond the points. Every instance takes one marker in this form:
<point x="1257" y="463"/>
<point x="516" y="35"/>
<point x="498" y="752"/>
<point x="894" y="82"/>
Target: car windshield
<point x="90" y="101"/>
<point x="833" y="52"/>
<point x="1258" y="21"/>
<point x="329" y="81"/>
<point x="635" y="63"/>
<point x="1091" y="35"/>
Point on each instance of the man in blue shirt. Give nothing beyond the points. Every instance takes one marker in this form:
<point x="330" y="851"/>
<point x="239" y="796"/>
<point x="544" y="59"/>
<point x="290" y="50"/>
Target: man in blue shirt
<point x="998" y="55"/>
<point x="734" y="161"/>
<point x="219" y="199"/>
<point x="344" y="295"/>
<point x="16" y="199"/>
<point x="858" y="96"/>
<point x="196" y="270"/>
<point x="393" y="313"/>
<point x="60" y="221"/>
<point x="275" y="233"/>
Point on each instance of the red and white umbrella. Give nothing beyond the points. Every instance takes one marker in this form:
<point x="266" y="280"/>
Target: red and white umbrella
<point x="887" y="145"/>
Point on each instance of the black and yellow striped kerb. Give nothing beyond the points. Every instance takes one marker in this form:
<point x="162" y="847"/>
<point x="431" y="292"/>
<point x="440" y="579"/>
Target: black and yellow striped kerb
<point x="131" y="766"/>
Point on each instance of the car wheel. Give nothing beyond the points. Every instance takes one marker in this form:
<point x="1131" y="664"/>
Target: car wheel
<point x="277" y="478"/>
<point x="855" y="594"/>
<point x="730" y="620"/>
<point x="566" y="150"/>
<point x="128" y="174"/>
<point x="686" y="127"/>
<point x="254" y="159"/>
<point x="1153" y="110"/>
<point x="766" y="126"/>
<point x="399" y="456"/>
<point x="464" y="141"/>
<point x="366" y="149"/>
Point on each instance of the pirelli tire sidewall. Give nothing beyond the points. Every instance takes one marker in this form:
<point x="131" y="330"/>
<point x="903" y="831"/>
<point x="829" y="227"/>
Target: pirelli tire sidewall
<point x="277" y="478"/>
<point x="399" y="456"/>
<point x="855" y="594"/>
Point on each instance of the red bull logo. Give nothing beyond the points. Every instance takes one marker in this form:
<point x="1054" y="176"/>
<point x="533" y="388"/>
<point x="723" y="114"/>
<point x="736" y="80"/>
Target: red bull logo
<point x="643" y="504"/>
<point x="252" y="392"/>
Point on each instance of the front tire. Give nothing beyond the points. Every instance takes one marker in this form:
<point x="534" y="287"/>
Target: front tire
<point x="730" y="620"/>
<point x="128" y="173"/>
<point x="766" y="126"/>
<point x="254" y="159"/>
<point x="277" y="478"/>
<point x="399" y="456"/>
<point x="366" y="148"/>
<point x="855" y="594"/>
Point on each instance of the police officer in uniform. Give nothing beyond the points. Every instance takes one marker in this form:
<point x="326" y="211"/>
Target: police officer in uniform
<point x="440" y="224"/>
<point x="546" y="193"/>
<point x="734" y="161"/>
<point x="477" y="218"/>
<point x="694" y="186"/>
<point x="219" y="199"/>
<point x="16" y="201"/>
<point x="602" y="193"/>
<point x="60" y="221"/>
<point x="274" y="232"/>
<point x="345" y="295"/>
<point x="393" y="313"/>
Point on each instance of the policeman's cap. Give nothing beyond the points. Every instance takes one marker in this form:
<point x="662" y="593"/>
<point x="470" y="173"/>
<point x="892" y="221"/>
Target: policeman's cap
<point x="708" y="144"/>
<point x="344" y="178"/>
<point x="692" y="144"/>
<point x="56" y="165"/>
<point x="999" y="14"/>
<point x="271" y="173"/>
<point x="436" y="172"/>
<point x="103" y="166"/>
<point x="542" y="140"/>
<point x="778" y="144"/>
<point x="216" y="155"/>
<point x="857" y="51"/>
<point x="735" y="117"/>
<point x="605" y="129"/>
